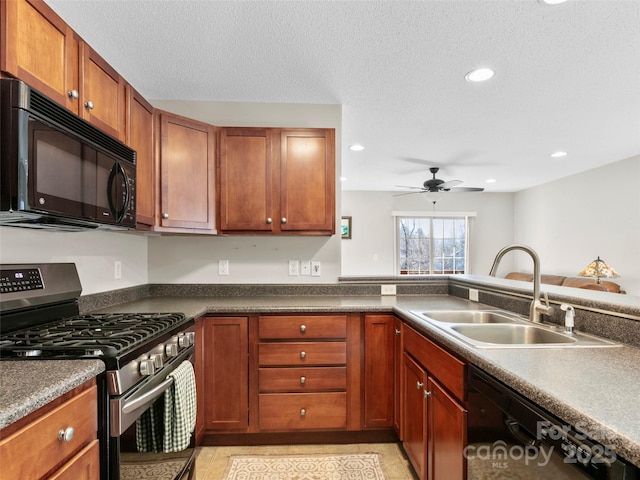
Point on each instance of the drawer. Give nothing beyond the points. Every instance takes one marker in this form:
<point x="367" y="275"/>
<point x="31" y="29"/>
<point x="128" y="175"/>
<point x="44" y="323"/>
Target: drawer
<point x="35" y="449"/>
<point x="84" y="466"/>
<point x="302" y="379"/>
<point x="449" y="371"/>
<point x="302" y="327"/>
<point x="303" y="411"/>
<point x="302" y="353"/>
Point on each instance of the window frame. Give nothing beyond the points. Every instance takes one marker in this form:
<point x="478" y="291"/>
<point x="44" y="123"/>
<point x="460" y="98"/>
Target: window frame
<point x="397" y="215"/>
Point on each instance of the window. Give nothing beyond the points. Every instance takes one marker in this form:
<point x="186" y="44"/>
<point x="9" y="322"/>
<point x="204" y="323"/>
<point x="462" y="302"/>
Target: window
<point x="431" y="244"/>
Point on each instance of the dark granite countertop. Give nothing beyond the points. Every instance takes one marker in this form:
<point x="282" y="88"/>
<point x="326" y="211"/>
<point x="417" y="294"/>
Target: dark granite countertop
<point x="596" y="389"/>
<point x="26" y="385"/>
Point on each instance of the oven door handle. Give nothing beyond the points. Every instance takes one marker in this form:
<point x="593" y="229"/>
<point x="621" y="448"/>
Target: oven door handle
<point x="147" y="398"/>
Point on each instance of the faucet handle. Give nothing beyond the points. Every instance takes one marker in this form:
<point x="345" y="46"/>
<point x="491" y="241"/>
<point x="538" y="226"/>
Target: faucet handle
<point x="544" y="309"/>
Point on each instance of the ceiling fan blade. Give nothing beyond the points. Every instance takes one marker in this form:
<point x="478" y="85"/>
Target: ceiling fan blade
<point x="406" y="186"/>
<point x="449" y="184"/>
<point x="467" y="189"/>
<point x="408" y="193"/>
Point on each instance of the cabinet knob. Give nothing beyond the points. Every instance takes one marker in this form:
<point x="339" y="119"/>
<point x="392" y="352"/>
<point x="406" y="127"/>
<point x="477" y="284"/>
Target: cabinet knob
<point x="89" y="104"/>
<point x="72" y="94"/>
<point x="419" y="385"/>
<point x="66" y="435"/>
<point x="269" y="220"/>
<point x="283" y="220"/>
<point x="303" y="412"/>
<point x="165" y="216"/>
<point x="426" y="393"/>
<point x="303" y="328"/>
<point x="397" y="331"/>
<point x="303" y="380"/>
<point x="303" y="354"/>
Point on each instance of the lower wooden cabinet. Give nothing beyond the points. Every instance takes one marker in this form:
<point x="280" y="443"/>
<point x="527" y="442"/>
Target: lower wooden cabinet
<point x="57" y="441"/>
<point x="434" y="428"/>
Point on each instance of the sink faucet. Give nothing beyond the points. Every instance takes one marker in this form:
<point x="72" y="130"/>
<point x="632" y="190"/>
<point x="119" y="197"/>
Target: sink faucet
<point x="537" y="309"/>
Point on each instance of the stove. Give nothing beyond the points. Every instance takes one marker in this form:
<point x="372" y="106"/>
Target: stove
<point x="40" y="320"/>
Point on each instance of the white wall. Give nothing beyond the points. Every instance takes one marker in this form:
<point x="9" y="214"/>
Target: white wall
<point x="252" y="259"/>
<point x="373" y="228"/>
<point x="571" y="221"/>
<point x="94" y="254"/>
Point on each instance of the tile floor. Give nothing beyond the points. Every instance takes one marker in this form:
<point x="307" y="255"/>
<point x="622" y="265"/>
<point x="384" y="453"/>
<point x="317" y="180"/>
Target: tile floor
<point x="211" y="462"/>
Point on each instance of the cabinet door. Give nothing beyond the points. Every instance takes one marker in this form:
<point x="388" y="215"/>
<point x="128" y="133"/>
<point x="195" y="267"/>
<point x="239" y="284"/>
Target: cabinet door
<point x="447" y="435"/>
<point x="39" y="48"/>
<point x="84" y="466"/>
<point x="307" y="181"/>
<point x="226" y="368"/>
<point x="415" y="415"/>
<point x="102" y="97"/>
<point x="378" y="370"/>
<point x="140" y="138"/>
<point x="246" y="177"/>
<point x="397" y="376"/>
<point x="186" y="174"/>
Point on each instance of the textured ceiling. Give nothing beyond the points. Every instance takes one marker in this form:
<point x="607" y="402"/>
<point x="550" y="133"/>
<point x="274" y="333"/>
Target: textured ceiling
<point x="567" y="76"/>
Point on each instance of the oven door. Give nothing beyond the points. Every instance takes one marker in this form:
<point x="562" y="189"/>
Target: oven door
<point x="128" y="461"/>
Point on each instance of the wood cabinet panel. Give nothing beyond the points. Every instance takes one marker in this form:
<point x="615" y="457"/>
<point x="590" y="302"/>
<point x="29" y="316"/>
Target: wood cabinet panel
<point x="226" y="389"/>
<point x="140" y="137"/>
<point x="103" y="95"/>
<point x="302" y="353"/>
<point x="187" y="191"/>
<point x="415" y="415"/>
<point x="36" y="448"/>
<point x="302" y="379"/>
<point x="449" y="371"/>
<point x="301" y="327"/>
<point x="447" y="435"/>
<point x="246" y="177"/>
<point x="39" y="48"/>
<point x="83" y="466"/>
<point x="397" y="376"/>
<point x="303" y="411"/>
<point x="378" y="370"/>
<point x="307" y="180"/>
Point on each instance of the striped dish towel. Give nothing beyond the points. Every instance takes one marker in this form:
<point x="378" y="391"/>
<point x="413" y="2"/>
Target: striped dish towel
<point x="180" y="409"/>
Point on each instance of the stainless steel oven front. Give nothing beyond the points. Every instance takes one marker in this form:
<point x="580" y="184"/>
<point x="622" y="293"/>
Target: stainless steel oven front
<point x="130" y="457"/>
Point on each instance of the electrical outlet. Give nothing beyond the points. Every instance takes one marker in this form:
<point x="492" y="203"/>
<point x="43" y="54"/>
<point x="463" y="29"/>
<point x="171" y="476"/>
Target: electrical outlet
<point x="473" y="294"/>
<point x="223" y="267"/>
<point x="305" y="267"/>
<point x="117" y="269"/>
<point x="315" y="269"/>
<point x="387" y="289"/>
<point x="294" y="267"/>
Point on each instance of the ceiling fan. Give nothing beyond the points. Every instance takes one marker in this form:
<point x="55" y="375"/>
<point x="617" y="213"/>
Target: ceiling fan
<point x="434" y="185"/>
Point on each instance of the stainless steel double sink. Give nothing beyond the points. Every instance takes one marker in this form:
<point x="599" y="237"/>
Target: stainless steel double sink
<point x="503" y="329"/>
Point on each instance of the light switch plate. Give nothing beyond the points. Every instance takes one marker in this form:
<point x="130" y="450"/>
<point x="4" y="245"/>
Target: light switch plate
<point x="315" y="269"/>
<point x="305" y="267"/>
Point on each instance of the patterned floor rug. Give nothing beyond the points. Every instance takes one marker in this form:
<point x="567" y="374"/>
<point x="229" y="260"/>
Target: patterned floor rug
<point x="360" y="466"/>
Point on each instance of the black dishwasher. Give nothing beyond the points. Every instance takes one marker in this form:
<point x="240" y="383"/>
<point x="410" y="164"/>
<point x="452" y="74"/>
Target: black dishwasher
<point x="511" y="438"/>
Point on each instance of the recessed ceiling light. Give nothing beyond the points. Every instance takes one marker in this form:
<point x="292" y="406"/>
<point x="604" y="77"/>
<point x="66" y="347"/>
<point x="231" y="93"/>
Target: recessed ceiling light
<point x="479" y="75"/>
<point x="490" y="180"/>
<point x="558" y="154"/>
<point x="343" y="179"/>
<point x="357" y="147"/>
<point x="553" y="2"/>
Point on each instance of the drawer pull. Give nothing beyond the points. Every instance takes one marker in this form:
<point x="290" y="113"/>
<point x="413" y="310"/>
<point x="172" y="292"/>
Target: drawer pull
<point x="66" y="435"/>
<point x="303" y="380"/>
<point x="419" y="385"/>
<point x="397" y="331"/>
<point x="427" y="393"/>
<point x="303" y="355"/>
<point x="303" y="328"/>
<point x="303" y="412"/>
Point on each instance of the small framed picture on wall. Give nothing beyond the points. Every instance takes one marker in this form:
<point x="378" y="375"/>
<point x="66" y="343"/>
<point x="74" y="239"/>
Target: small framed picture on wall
<point x="345" y="228"/>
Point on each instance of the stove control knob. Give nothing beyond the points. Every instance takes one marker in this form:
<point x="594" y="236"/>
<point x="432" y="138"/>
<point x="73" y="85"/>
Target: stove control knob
<point x="183" y="340"/>
<point x="156" y="358"/>
<point x="171" y="350"/>
<point x="147" y="367"/>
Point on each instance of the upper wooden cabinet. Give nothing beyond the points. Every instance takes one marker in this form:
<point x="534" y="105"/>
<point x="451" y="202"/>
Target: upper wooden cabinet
<point x="140" y="137"/>
<point x="186" y="168"/>
<point x="279" y="181"/>
<point x="39" y="48"/>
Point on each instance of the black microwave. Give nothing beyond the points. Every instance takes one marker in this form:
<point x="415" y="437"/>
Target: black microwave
<point x="57" y="170"/>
